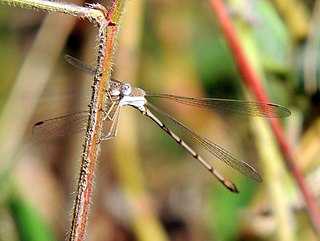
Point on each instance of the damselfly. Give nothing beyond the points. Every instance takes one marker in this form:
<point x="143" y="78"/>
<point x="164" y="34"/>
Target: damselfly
<point x="122" y="94"/>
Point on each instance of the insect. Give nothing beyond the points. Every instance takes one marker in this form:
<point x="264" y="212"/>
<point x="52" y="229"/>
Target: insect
<point x="122" y="94"/>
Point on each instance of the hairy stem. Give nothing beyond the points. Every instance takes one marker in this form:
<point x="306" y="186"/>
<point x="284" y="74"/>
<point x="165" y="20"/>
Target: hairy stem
<point x="106" y="45"/>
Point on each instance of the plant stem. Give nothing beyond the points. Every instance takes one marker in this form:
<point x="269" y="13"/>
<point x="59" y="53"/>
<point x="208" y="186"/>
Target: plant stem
<point x="92" y="14"/>
<point x="106" y="45"/>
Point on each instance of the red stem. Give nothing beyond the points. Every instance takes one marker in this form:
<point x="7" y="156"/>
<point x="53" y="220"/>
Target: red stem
<point x="251" y="79"/>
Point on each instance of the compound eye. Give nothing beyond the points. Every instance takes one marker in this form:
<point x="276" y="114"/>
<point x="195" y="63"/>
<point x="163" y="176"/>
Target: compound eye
<point x="126" y="89"/>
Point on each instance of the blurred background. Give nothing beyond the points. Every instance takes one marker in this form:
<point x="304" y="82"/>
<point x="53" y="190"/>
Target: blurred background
<point x="146" y="186"/>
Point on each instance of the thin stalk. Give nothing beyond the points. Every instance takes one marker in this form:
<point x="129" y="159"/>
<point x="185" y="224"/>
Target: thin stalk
<point x="143" y="217"/>
<point x="92" y="14"/>
<point x="251" y="79"/>
<point x="276" y="178"/>
<point x="106" y="45"/>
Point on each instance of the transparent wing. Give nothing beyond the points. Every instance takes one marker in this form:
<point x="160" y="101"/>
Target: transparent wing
<point x="242" y="107"/>
<point x="79" y="64"/>
<point x="216" y="150"/>
<point x="54" y="128"/>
